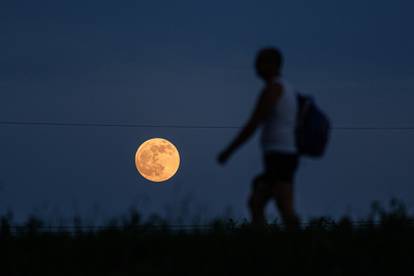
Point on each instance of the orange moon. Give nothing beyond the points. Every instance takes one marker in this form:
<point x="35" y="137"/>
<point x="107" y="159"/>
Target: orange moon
<point x="157" y="159"/>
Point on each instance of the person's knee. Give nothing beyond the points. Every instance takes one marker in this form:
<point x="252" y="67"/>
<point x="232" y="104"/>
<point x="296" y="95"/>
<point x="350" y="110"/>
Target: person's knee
<point x="252" y="202"/>
<point x="256" y="202"/>
<point x="262" y="186"/>
<point x="258" y="182"/>
<point x="260" y="194"/>
<point x="282" y="189"/>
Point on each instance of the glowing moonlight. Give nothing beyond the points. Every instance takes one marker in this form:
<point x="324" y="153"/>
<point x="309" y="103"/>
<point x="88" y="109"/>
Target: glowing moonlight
<point x="157" y="159"/>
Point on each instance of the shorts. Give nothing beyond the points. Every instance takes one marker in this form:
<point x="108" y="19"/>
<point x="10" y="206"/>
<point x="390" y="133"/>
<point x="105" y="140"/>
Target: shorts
<point x="280" y="166"/>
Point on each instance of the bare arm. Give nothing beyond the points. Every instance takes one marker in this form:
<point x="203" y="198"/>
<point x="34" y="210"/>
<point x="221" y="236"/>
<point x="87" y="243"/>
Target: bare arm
<point x="266" y="101"/>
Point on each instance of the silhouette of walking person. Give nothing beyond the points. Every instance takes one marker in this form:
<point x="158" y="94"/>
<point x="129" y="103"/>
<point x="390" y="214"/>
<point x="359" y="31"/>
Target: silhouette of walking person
<point x="275" y="112"/>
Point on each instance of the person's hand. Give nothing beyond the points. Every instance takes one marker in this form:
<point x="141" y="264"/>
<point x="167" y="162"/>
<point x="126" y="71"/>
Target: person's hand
<point x="223" y="157"/>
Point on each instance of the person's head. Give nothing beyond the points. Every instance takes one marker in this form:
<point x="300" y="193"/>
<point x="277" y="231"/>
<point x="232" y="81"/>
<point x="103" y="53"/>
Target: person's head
<point x="268" y="63"/>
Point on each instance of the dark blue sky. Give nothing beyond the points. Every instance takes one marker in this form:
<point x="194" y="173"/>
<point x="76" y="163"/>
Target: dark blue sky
<point x="190" y="63"/>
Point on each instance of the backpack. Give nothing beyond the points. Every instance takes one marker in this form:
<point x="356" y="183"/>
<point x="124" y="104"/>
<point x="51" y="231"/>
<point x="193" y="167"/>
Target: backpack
<point x="312" y="128"/>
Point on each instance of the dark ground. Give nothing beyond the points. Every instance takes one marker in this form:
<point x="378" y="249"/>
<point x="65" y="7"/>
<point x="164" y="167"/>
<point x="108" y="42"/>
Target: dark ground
<point x="382" y="244"/>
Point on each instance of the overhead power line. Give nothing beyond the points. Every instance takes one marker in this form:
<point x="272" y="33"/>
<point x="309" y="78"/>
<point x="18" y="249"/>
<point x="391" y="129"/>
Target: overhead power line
<point x="128" y="125"/>
<point x="122" y="125"/>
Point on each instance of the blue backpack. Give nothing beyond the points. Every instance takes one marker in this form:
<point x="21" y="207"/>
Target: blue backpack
<point x="312" y="128"/>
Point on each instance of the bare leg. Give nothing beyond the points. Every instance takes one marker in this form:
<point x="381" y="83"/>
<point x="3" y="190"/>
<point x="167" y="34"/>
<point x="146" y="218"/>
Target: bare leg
<point x="283" y="194"/>
<point x="257" y="201"/>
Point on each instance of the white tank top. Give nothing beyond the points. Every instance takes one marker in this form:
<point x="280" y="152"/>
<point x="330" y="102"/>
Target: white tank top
<point x="278" y="132"/>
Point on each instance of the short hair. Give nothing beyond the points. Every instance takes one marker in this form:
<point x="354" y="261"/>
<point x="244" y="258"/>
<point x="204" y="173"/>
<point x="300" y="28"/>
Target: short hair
<point x="271" y="57"/>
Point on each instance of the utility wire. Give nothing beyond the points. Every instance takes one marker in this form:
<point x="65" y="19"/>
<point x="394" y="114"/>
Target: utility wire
<point x="122" y="125"/>
<point x="127" y="125"/>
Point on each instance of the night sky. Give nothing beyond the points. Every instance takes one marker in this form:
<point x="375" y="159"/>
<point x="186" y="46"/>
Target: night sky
<point x="191" y="63"/>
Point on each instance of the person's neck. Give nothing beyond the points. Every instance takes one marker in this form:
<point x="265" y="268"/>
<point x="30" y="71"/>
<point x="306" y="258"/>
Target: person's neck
<point x="272" y="79"/>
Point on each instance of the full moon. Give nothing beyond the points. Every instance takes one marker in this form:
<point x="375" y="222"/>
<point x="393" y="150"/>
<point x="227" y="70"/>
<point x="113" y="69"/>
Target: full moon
<point x="157" y="159"/>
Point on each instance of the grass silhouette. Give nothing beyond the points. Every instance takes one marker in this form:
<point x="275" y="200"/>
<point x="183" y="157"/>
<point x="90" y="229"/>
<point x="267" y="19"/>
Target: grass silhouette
<point x="383" y="243"/>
